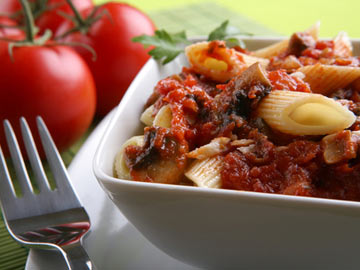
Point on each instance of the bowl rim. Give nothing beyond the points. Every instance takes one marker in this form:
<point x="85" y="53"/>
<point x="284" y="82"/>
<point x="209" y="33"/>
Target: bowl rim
<point x="104" y="178"/>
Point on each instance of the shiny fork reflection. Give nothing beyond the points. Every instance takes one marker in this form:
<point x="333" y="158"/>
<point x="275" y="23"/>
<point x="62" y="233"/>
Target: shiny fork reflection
<point x="60" y="235"/>
<point x="51" y="219"/>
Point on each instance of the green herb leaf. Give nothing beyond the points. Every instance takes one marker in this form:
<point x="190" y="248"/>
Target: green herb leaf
<point x="227" y="32"/>
<point x="219" y="33"/>
<point x="233" y="42"/>
<point x="167" y="46"/>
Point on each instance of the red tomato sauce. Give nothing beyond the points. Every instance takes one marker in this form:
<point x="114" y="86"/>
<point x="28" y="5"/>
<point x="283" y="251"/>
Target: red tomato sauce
<point x="280" y="80"/>
<point x="274" y="162"/>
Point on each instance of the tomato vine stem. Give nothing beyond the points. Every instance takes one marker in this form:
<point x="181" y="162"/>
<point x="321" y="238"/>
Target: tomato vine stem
<point x="30" y="28"/>
<point x="82" y="24"/>
<point x="78" y="18"/>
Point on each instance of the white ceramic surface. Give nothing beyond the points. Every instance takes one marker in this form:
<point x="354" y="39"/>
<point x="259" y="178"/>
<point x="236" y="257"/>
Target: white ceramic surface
<point x="113" y="243"/>
<point x="218" y="229"/>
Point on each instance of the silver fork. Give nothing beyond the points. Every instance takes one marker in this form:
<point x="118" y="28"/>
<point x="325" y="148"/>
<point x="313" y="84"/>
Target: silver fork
<point x="51" y="219"/>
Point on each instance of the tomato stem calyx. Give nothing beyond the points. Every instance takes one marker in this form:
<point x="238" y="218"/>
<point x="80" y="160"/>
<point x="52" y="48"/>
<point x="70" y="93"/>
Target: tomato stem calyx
<point x="82" y="25"/>
<point x="30" y="30"/>
<point x="85" y="46"/>
<point x="41" y="6"/>
<point x="35" y="42"/>
<point x="38" y="7"/>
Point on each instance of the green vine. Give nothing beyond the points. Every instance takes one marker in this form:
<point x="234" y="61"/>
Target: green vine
<point x="82" y="25"/>
<point x="31" y="30"/>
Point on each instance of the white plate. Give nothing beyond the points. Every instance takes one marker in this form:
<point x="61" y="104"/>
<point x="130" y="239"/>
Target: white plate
<point x="219" y="228"/>
<point x="113" y="243"/>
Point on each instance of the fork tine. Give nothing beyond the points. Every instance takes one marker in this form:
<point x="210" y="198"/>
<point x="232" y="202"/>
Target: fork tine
<point x="18" y="160"/>
<point x="7" y="190"/>
<point x="56" y="164"/>
<point x="33" y="156"/>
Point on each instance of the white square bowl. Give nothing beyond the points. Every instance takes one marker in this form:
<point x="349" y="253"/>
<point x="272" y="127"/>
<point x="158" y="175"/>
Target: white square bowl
<point x="221" y="229"/>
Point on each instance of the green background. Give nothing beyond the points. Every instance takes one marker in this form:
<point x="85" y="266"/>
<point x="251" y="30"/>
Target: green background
<point x="283" y="16"/>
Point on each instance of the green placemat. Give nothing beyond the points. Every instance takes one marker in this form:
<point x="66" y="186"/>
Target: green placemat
<point x="196" y="19"/>
<point x="200" y="19"/>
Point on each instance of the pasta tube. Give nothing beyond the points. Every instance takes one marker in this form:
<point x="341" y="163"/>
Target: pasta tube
<point x="163" y="117"/>
<point x="206" y="172"/>
<point x="325" y="79"/>
<point x="300" y="113"/>
<point x="147" y="116"/>
<point x="342" y="45"/>
<point x="249" y="60"/>
<point x="121" y="170"/>
<point x="272" y="50"/>
<point x="279" y="47"/>
<point x="214" y="60"/>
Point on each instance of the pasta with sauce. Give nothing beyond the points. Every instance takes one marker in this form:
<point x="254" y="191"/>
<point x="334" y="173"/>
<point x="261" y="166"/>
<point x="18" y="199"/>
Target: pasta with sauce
<point x="283" y="119"/>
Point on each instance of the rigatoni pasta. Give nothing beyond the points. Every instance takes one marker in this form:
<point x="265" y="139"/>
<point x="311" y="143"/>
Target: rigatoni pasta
<point x="272" y="50"/>
<point x="217" y="62"/>
<point x="281" y="46"/>
<point x="147" y="117"/>
<point x="342" y="45"/>
<point x="326" y="79"/>
<point x="300" y="113"/>
<point x="121" y="169"/>
<point x="163" y="117"/>
<point x="206" y="172"/>
<point x="250" y="60"/>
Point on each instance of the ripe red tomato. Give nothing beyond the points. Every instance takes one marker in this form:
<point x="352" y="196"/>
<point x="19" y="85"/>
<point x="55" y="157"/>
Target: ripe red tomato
<point x="118" y="58"/>
<point x="51" y="81"/>
<point x="9" y="32"/>
<point x="8" y="7"/>
<point x="49" y="19"/>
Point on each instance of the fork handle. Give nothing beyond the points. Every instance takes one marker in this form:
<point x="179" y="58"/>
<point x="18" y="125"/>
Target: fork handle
<point x="77" y="258"/>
